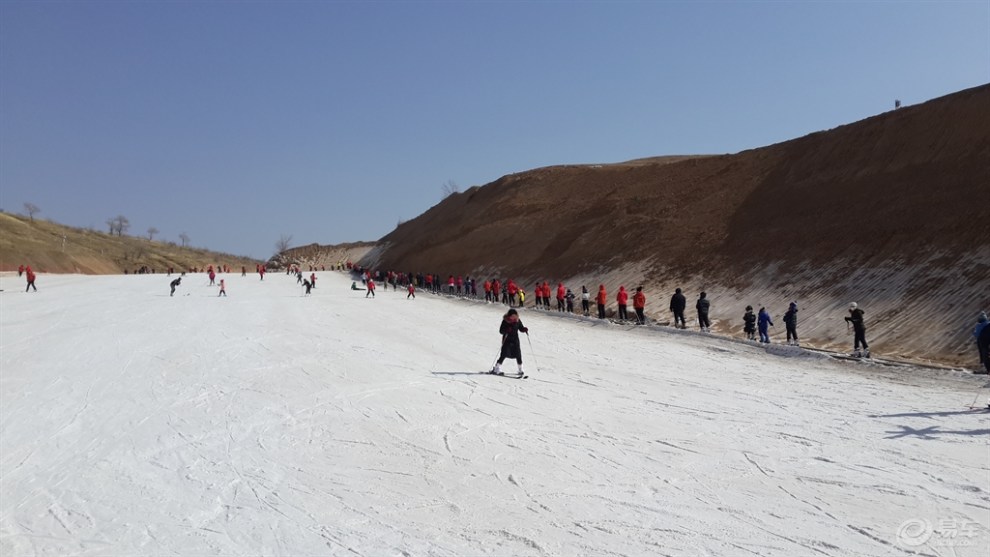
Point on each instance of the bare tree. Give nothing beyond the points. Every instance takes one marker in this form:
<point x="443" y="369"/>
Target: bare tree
<point x="112" y="223"/>
<point x="449" y="188"/>
<point x="123" y="224"/>
<point x="151" y="233"/>
<point x="184" y="238"/>
<point x="283" y="243"/>
<point x="32" y="210"/>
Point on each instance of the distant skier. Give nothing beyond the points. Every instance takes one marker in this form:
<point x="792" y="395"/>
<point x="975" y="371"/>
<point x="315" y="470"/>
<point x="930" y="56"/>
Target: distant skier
<point x="354" y="286"/>
<point x="371" y="289"/>
<point x="703" y="305"/>
<point x="299" y="277"/>
<point x="790" y="321"/>
<point x="538" y="294"/>
<point x="173" y="284"/>
<point x="982" y="325"/>
<point x="561" y="297"/>
<point x="622" y="300"/>
<point x="859" y="329"/>
<point x="749" y="323"/>
<point x="639" y="304"/>
<point x="213" y="277"/>
<point x="570" y="300"/>
<point x="764" y="322"/>
<point x="30" y="279"/>
<point x="308" y="286"/>
<point x="20" y="271"/>
<point x="312" y="279"/>
<point x="511" y="347"/>
<point x="412" y="291"/>
<point x="243" y="270"/>
<point x="677" y="304"/>
<point x="546" y="295"/>
<point x="585" y="301"/>
<point x="223" y="289"/>
<point x="601" y="300"/>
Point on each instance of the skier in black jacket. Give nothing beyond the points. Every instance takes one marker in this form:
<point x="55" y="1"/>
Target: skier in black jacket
<point x="511" y="348"/>
<point x="677" y="304"/>
<point x="749" y="323"/>
<point x="173" y="284"/>
<point x="790" y="320"/>
<point x="859" y="329"/>
<point x="983" y="344"/>
<point x="703" y="305"/>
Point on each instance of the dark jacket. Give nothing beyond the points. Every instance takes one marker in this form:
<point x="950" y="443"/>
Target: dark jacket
<point x="790" y="318"/>
<point x="510" y="331"/>
<point x="750" y="322"/>
<point x="678" y="302"/>
<point x="856" y="318"/>
<point x="703" y="305"/>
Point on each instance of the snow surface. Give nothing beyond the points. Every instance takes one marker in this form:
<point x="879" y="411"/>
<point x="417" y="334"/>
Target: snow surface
<point x="272" y="423"/>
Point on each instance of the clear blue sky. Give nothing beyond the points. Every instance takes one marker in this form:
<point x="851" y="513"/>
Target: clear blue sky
<point x="239" y="121"/>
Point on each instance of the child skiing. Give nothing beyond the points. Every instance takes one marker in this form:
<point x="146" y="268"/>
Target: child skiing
<point x="859" y="330"/>
<point x="412" y="291"/>
<point x="371" y="289"/>
<point x="749" y="323"/>
<point x="764" y="323"/>
<point x="173" y="284"/>
<point x="30" y="279"/>
<point x="223" y="289"/>
<point x="308" y="285"/>
<point x="790" y="321"/>
<point x="511" y="348"/>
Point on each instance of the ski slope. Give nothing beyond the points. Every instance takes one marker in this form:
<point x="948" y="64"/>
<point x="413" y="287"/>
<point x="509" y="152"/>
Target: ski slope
<point x="272" y="423"/>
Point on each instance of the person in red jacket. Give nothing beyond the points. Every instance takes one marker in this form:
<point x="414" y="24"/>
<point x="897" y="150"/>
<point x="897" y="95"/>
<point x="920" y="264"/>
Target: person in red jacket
<point x="601" y="300"/>
<point x="546" y="295"/>
<point x="312" y="279"/>
<point x="513" y="290"/>
<point x="20" y="270"/>
<point x="639" y="304"/>
<point x="622" y="298"/>
<point x="412" y="291"/>
<point x="561" y="295"/>
<point x="213" y="277"/>
<point x="371" y="288"/>
<point x="538" y="295"/>
<point x="30" y="279"/>
<point x="488" y="291"/>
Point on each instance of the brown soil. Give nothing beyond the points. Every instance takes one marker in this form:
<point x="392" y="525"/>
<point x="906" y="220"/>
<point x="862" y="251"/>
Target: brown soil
<point x="890" y="211"/>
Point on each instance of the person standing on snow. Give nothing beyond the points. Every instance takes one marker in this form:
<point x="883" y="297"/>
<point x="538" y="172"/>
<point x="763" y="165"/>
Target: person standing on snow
<point x="570" y="300"/>
<point x="511" y="347"/>
<point x="859" y="328"/>
<point x="308" y="286"/>
<point x="371" y="289"/>
<point x="601" y="300"/>
<point x="677" y="305"/>
<point x="30" y="279"/>
<point x="173" y="284"/>
<point x="981" y="325"/>
<point x="213" y="277"/>
<point x="312" y="279"/>
<point x="749" y="323"/>
<point x="561" y="296"/>
<point x="585" y="301"/>
<point x="983" y="344"/>
<point x="703" y="305"/>
<point x="538" y="294"/>
<point x="412" y="291"/>
<point x="764" y="323"/>
<point x="223" y="289"/>
<point x="790" y="322"/>
<point x="639" y="304"/>
<point x="622" y="300"/>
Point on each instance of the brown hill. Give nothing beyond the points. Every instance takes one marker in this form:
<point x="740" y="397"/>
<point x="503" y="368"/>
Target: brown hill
<point x="890" y="212"/>
<point x="317" y="255"/>
<point x="54" y="248"/>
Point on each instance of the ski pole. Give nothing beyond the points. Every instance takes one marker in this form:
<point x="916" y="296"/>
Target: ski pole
<point x="533" y="352"/>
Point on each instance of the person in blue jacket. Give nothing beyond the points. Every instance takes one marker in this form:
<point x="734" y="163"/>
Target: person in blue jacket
<point x="764" y="323"/>
<point x="981" y="324"/>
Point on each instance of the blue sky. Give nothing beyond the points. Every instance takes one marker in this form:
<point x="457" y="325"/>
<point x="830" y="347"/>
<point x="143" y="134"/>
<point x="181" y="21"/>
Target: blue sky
<point x="239" y="121"/>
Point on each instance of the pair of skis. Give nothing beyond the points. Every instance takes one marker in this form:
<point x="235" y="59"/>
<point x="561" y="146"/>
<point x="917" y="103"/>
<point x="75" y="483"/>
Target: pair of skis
<point x="503" y="374"/>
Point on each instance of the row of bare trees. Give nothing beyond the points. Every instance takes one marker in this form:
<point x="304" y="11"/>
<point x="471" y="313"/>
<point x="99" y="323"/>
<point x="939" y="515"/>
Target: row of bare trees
<point x="117" y="225"/>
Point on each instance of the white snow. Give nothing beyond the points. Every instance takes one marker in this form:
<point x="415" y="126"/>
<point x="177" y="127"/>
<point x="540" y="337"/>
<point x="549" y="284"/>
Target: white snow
<point x="271" y="423"/>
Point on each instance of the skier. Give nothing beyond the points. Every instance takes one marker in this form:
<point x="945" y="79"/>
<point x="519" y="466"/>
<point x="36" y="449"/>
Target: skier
<point x="223" y="289"/>
<point x="243" y="270"/>
<point x="859" y="330"/>
<point x="511" y="348"/>
<point x="371" y="289"/>
<point x="639" y="304"/>
<point x="354" y="286"/>
<point x="570" y="300"/>
<point x="308" y="285"/>
<point x="312" y="279"/>
<point x="981" y="324"/>
<point x="20" y="271"/>
<point x="173" y="284"/>
<point x="585" y="301"/>
<point x="983" y="344"/>
<point x="621" y="299"/>
<point x="538" y="294"/>
<point x="677" y="304"/>
<point x="749" y="323"/>
<point x="703" y="305"/>
<point x="764" y="323"/>
<point x="790" y="321"/>
<point x="412" y="291"/>
<point x="30" y="279"/>
<point x="213" y="277"/>
<point x="546" y="295"/>
<point x="601" y="300"/>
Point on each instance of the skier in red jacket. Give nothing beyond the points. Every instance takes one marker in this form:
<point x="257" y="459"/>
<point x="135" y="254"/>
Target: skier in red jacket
<point x="30" y="279"/>
<point x="601" y="300"/>
<point x="639" y="304"/>
<point x="622" y="298"/>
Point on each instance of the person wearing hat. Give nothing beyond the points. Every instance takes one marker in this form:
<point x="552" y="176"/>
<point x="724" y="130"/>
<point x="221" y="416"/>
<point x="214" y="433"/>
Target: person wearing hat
<point x="859" y="329"/>
<point x="981" y="327"/>
<point x="790" y="322"/>
<point x="765" y="323"/>
<point x="639" y="304"/>
<point x="677" y="304"/>
<point x="511" y="348"/>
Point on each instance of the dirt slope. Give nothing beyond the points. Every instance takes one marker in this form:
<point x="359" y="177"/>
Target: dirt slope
<point x="54" y="248"/>
<point x="890" y="212"/>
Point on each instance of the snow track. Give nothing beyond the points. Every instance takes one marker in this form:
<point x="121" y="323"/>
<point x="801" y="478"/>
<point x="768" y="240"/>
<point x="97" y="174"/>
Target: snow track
<point x="272" y="423"/>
